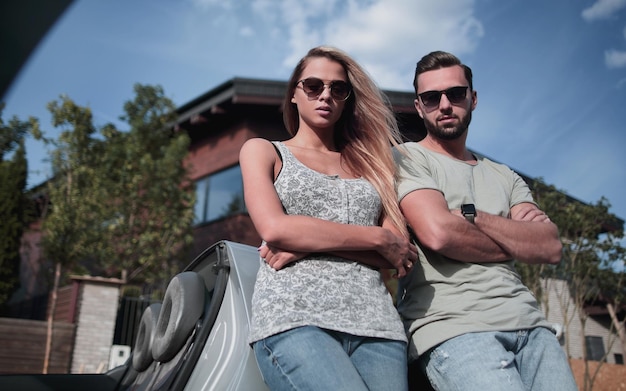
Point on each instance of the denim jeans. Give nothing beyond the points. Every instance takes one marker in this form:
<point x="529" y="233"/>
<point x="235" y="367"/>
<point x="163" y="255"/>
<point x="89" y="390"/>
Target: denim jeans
<point x="311" y="358"/>
<point x="515" y="360"/>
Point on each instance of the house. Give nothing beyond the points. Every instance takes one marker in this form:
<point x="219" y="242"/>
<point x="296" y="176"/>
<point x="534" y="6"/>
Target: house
<point x="601" y="341"/>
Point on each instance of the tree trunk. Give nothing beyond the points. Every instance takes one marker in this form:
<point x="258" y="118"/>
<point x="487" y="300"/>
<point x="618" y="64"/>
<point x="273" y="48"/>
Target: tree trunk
<point x="619" y="326"/>
<point x="53" y="304"/>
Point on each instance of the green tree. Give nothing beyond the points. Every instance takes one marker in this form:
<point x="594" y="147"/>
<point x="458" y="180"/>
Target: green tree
<point x="121" y="200"/>
<point x="591" y="238"/>
<point x="13" y="203"/>
<point x="149" y="195"/>
<point x="69" y="227"/>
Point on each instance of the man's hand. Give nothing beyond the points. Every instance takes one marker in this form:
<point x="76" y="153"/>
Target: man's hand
<point x="528" y="235"/>
<point x="399" y="252"/>
<point x="527" y="212"/>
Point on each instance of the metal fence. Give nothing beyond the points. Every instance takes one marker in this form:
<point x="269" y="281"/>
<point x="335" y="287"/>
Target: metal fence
<point x="128" y="317"/>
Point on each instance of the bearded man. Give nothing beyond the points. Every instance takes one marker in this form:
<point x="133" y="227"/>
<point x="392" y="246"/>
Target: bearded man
<point x="472" y="324"/>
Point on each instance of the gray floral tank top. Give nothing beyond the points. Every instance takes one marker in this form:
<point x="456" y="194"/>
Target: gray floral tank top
<point x="323" y="290"/>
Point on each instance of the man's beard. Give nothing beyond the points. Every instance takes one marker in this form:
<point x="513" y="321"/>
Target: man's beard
<point x="448" y="133"/>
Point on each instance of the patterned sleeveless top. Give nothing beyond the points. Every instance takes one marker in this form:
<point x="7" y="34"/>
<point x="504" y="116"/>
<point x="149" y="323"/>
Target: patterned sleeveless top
<point x="324" y="290"/>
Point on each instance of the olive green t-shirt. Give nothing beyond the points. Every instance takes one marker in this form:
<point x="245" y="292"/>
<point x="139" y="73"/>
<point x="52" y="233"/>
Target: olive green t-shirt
<point x="445" y="298"/>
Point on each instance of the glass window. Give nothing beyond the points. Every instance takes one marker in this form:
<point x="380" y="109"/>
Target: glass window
<point x="202" y="193"/>
<point x="219" y="195"/>
<point x="595" y="348"/>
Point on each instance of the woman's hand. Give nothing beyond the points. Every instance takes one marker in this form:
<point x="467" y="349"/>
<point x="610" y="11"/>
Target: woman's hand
<point x="278" y="258"/>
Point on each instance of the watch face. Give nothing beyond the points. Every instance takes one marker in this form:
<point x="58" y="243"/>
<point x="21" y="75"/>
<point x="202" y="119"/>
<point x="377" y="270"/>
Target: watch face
<point x="468" y="209"/>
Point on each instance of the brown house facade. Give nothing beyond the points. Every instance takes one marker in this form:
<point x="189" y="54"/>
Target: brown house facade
<point x="218" y="123"/>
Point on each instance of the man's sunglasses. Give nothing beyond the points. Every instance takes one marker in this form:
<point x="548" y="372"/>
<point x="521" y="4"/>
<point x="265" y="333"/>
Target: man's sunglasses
<point x="313" y="87"/>
<point x="431" y="99"/>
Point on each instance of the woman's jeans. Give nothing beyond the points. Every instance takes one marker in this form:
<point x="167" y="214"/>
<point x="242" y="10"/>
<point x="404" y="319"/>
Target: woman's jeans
<point x="516" y="360"/>
<point x="311" y="358"/>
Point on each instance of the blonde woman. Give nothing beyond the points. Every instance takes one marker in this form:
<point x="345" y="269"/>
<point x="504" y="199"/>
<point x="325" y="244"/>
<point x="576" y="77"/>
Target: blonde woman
<point x="324" y="203"/>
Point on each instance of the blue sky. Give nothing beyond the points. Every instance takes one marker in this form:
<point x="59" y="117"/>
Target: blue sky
<point x="550" y="75"/>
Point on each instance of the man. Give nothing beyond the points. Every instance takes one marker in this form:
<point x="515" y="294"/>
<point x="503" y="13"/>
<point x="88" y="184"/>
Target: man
<point x="472" y="324"/>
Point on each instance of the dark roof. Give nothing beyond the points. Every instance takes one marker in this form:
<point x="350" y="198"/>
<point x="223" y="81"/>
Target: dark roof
<point x="244" y="91"/>
<point x="234" y="91"/>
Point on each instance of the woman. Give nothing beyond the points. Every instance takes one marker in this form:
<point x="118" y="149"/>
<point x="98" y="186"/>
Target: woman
<point x="324" y="203"/>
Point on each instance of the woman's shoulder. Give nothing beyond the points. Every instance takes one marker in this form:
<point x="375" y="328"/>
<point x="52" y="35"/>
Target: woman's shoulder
<point x="257" y="142"/>
<point x="256" y="145"/>
<point x="256" y="150"/>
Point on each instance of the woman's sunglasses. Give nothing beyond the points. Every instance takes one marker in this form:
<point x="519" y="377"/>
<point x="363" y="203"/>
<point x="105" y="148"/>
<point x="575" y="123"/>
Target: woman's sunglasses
<point x="313" y="87"/>
<point x="431" y="99"/>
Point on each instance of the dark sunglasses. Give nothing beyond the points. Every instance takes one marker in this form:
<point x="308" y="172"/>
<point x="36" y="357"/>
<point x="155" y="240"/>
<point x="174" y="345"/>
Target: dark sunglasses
<point x="313" y="87"/>
<point x="431" y="99"/>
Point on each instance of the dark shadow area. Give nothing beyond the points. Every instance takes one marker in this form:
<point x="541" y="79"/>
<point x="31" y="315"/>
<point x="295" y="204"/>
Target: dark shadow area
<point x="23" y="23"/>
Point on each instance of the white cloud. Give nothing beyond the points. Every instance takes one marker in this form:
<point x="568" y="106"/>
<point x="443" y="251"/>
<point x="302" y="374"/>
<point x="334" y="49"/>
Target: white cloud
<point x="389" y="37"/>
<point x="207" y="4"/>
<point x="386" y="36"/>
<point x="246" y="31"/>
<point x="615" y="58"/>
<point x="266" y="9"/>
<point x="603" y="9"/>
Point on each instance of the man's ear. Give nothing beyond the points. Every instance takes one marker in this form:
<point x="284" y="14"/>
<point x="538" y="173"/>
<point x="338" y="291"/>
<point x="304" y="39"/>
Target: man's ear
<point x="416" y="103"/>
<point x="474" y="99"/>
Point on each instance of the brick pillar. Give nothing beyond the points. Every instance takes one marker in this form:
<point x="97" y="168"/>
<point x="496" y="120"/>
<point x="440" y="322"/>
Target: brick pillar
<point x="96" y="312"/>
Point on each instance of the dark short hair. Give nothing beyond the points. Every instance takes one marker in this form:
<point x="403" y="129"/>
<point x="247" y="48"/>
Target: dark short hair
<point x="438" y="60"/>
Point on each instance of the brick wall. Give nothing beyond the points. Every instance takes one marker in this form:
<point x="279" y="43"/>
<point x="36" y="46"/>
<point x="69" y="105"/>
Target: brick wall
<point x="95" y="323"/>
<point x="611" y="377"/>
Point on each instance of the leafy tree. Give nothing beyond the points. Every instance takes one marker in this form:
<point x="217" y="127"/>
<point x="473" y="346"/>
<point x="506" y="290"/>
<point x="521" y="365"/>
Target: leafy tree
<point x="69" y="228"/>
<point x="121" y="200"/>
<point x="591" y="238"/>
<point x="13" y="204"/>
<point x="149" y="195"/>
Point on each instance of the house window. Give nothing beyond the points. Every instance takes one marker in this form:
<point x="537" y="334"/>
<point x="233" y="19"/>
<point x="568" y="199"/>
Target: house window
<point x="219" y="195"/>
<point x="619" y="358"/>
<point x="595" y="348"/>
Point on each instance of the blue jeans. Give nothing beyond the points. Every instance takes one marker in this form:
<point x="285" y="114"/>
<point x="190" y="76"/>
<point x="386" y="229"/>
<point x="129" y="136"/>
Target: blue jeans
<point x="515" y="360"/>
<point x="311" y="358"/>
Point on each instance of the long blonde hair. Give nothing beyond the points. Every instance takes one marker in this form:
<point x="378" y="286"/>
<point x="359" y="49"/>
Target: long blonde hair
<point x="365" y="132"/>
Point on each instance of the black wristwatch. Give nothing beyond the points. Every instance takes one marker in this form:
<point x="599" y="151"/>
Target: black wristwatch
<point x="469" y="212"/>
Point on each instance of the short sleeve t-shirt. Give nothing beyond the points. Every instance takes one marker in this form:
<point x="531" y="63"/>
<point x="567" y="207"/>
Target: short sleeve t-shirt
<point x="444" y="298"/>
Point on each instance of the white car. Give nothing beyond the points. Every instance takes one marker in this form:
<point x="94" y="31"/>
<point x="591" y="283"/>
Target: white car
<point x="196" y="339"/>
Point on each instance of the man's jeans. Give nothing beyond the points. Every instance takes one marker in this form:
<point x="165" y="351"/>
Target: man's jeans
<point x="311" y="358"/>
<point x="516" y="360"/>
